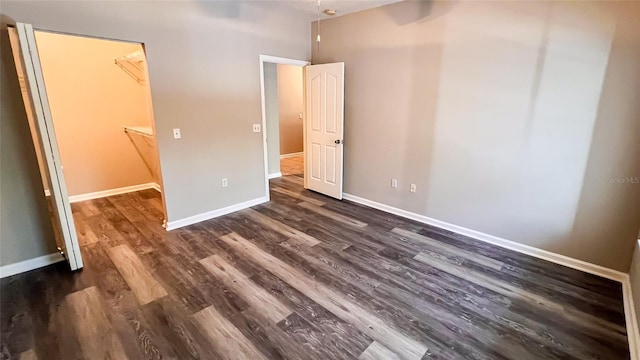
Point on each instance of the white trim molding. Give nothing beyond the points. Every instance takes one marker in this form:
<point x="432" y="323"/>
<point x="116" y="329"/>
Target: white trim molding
<point x="172" y="225"/>
<point x="31" y="264"/>
<point x="504" y="243"/>
<point x="276" y="60"/>
<point x="111" y="192"/>
<point x="274" y="175"/>
<point x="631" y="319"/>
<point x="156" y="187"/>
<point x="633" y="333"/>
<point x="290" y="155"/>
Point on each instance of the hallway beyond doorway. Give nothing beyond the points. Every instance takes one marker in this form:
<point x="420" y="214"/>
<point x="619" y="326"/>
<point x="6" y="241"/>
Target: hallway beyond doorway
<point x="292" y="165"/>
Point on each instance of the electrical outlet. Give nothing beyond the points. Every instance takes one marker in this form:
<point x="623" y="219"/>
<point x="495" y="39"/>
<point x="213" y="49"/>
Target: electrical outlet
<point x="176" y="133"/>
<point x="256" y="127"/>
<point x="413" y="188"/>
<point x="225" y="183"/>
<point x="394" y="183"/>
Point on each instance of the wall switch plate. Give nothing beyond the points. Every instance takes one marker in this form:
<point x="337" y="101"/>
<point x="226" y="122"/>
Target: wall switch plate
<point x="394" y="183"/>
<point x="413" y="188"/>
<point x="256" y="127"/>
<point x="300" y="116"/>
<point x="225" y="183"/>
<point x="176" y="133"/>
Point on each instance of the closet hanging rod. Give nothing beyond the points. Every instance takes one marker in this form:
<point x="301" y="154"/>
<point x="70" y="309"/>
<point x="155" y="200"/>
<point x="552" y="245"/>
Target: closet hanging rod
<point x="130" y="73"/>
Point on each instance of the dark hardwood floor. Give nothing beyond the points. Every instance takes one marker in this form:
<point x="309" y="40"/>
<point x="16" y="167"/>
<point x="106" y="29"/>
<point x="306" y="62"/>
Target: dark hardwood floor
<point x="301" y="277"/>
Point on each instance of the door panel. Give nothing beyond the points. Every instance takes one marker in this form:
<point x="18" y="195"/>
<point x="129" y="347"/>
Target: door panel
<point x="331" y="105"/>
<point x="324" y="128"/>
<point x="330" y="168"/>
<point x="43" y="134"/>
<point x="314" y="161"/>
<point x="314" y="104"/>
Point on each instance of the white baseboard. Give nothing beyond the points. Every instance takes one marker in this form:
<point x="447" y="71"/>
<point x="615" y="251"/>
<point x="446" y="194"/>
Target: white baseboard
<point x="111" y="192"/>
<point x="172" y="225"/>
<point x="504" y="243"/>
<point x="290" y="155"/>
<point x="31" y="264"/>
<point x="631" y="320"/>
<point x="633" y="333"/>
<point x="274" y="175"/>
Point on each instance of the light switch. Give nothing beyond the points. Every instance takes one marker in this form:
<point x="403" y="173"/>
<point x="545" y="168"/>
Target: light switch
<point x="256" y="127"/>
<point x="176" y="133"/>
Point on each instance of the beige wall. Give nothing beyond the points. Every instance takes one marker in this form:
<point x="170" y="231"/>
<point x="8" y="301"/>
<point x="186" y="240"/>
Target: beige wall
<point x="204" y="76"/>
<point x="290" y="105"/>
<point x="511" y="117"/>
<point x="91" y="98"/>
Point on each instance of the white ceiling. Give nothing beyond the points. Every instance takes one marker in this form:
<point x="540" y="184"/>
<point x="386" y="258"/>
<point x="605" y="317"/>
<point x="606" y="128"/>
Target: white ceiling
<point x="342" y="7"/>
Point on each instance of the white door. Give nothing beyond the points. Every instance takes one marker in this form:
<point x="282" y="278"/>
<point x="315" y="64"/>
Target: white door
<point x="28" y="68"/>
<point x="324" y="128"/>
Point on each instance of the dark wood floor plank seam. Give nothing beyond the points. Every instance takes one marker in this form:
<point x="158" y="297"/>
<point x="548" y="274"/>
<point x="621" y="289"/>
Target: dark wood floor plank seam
<point x="97" y="339"/>
<point x="405" y="347"/>
<point x="332" y="215"/>
<point x="509" y="290"/>
<point x="434" y="244"/>
<point x="280" y="227"/>
<point x="230" y="342"/>
<point x="483" y="318"/>
<point x="254" y="295"/>
<point x="297" y="195"/>
<point x="433" y="314"/>
<point x="140" y="280"/>
<point x="380" y="261"/>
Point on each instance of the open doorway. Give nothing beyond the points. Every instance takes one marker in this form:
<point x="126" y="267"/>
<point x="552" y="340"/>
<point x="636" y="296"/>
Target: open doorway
<point x="322" y="126"/>
<point x="88" y="103"/>
<point x="99" y="99"/>
<point x="284" y="96"/>
<point x="283" y="117"/>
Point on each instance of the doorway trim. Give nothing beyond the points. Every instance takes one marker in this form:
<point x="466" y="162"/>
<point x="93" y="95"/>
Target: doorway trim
<point x="275" y="60"/>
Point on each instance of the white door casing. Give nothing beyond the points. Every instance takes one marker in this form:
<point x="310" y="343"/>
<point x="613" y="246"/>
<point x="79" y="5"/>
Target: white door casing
<point x="324" y="130"/>
<point x="275" y="60"/>
<point x="45" y="135"/>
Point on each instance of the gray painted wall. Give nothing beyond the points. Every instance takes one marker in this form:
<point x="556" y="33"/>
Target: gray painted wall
<point x="25" y="227"/>
<point x="511" y="117"/>
<point x="203" y="60"/>
<point x="272" y="115"/>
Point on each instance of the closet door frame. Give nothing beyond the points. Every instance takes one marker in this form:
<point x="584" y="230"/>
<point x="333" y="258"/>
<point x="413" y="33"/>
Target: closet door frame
<point x="45" y="135"/>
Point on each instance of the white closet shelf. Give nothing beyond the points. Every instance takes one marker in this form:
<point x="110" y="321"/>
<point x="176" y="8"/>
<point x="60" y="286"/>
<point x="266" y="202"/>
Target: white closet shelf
<point x="140" y="130"/>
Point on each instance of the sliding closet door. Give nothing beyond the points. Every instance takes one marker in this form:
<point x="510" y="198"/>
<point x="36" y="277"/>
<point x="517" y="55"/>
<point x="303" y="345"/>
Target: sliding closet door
<point x="43" y="134"/>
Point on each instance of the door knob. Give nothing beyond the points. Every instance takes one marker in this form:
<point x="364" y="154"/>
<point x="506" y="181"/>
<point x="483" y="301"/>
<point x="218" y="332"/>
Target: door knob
<point x="339" y="141"/>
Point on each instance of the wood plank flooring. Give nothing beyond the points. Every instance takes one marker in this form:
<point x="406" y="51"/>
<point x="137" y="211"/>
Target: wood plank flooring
<point x="301" y="277"/>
